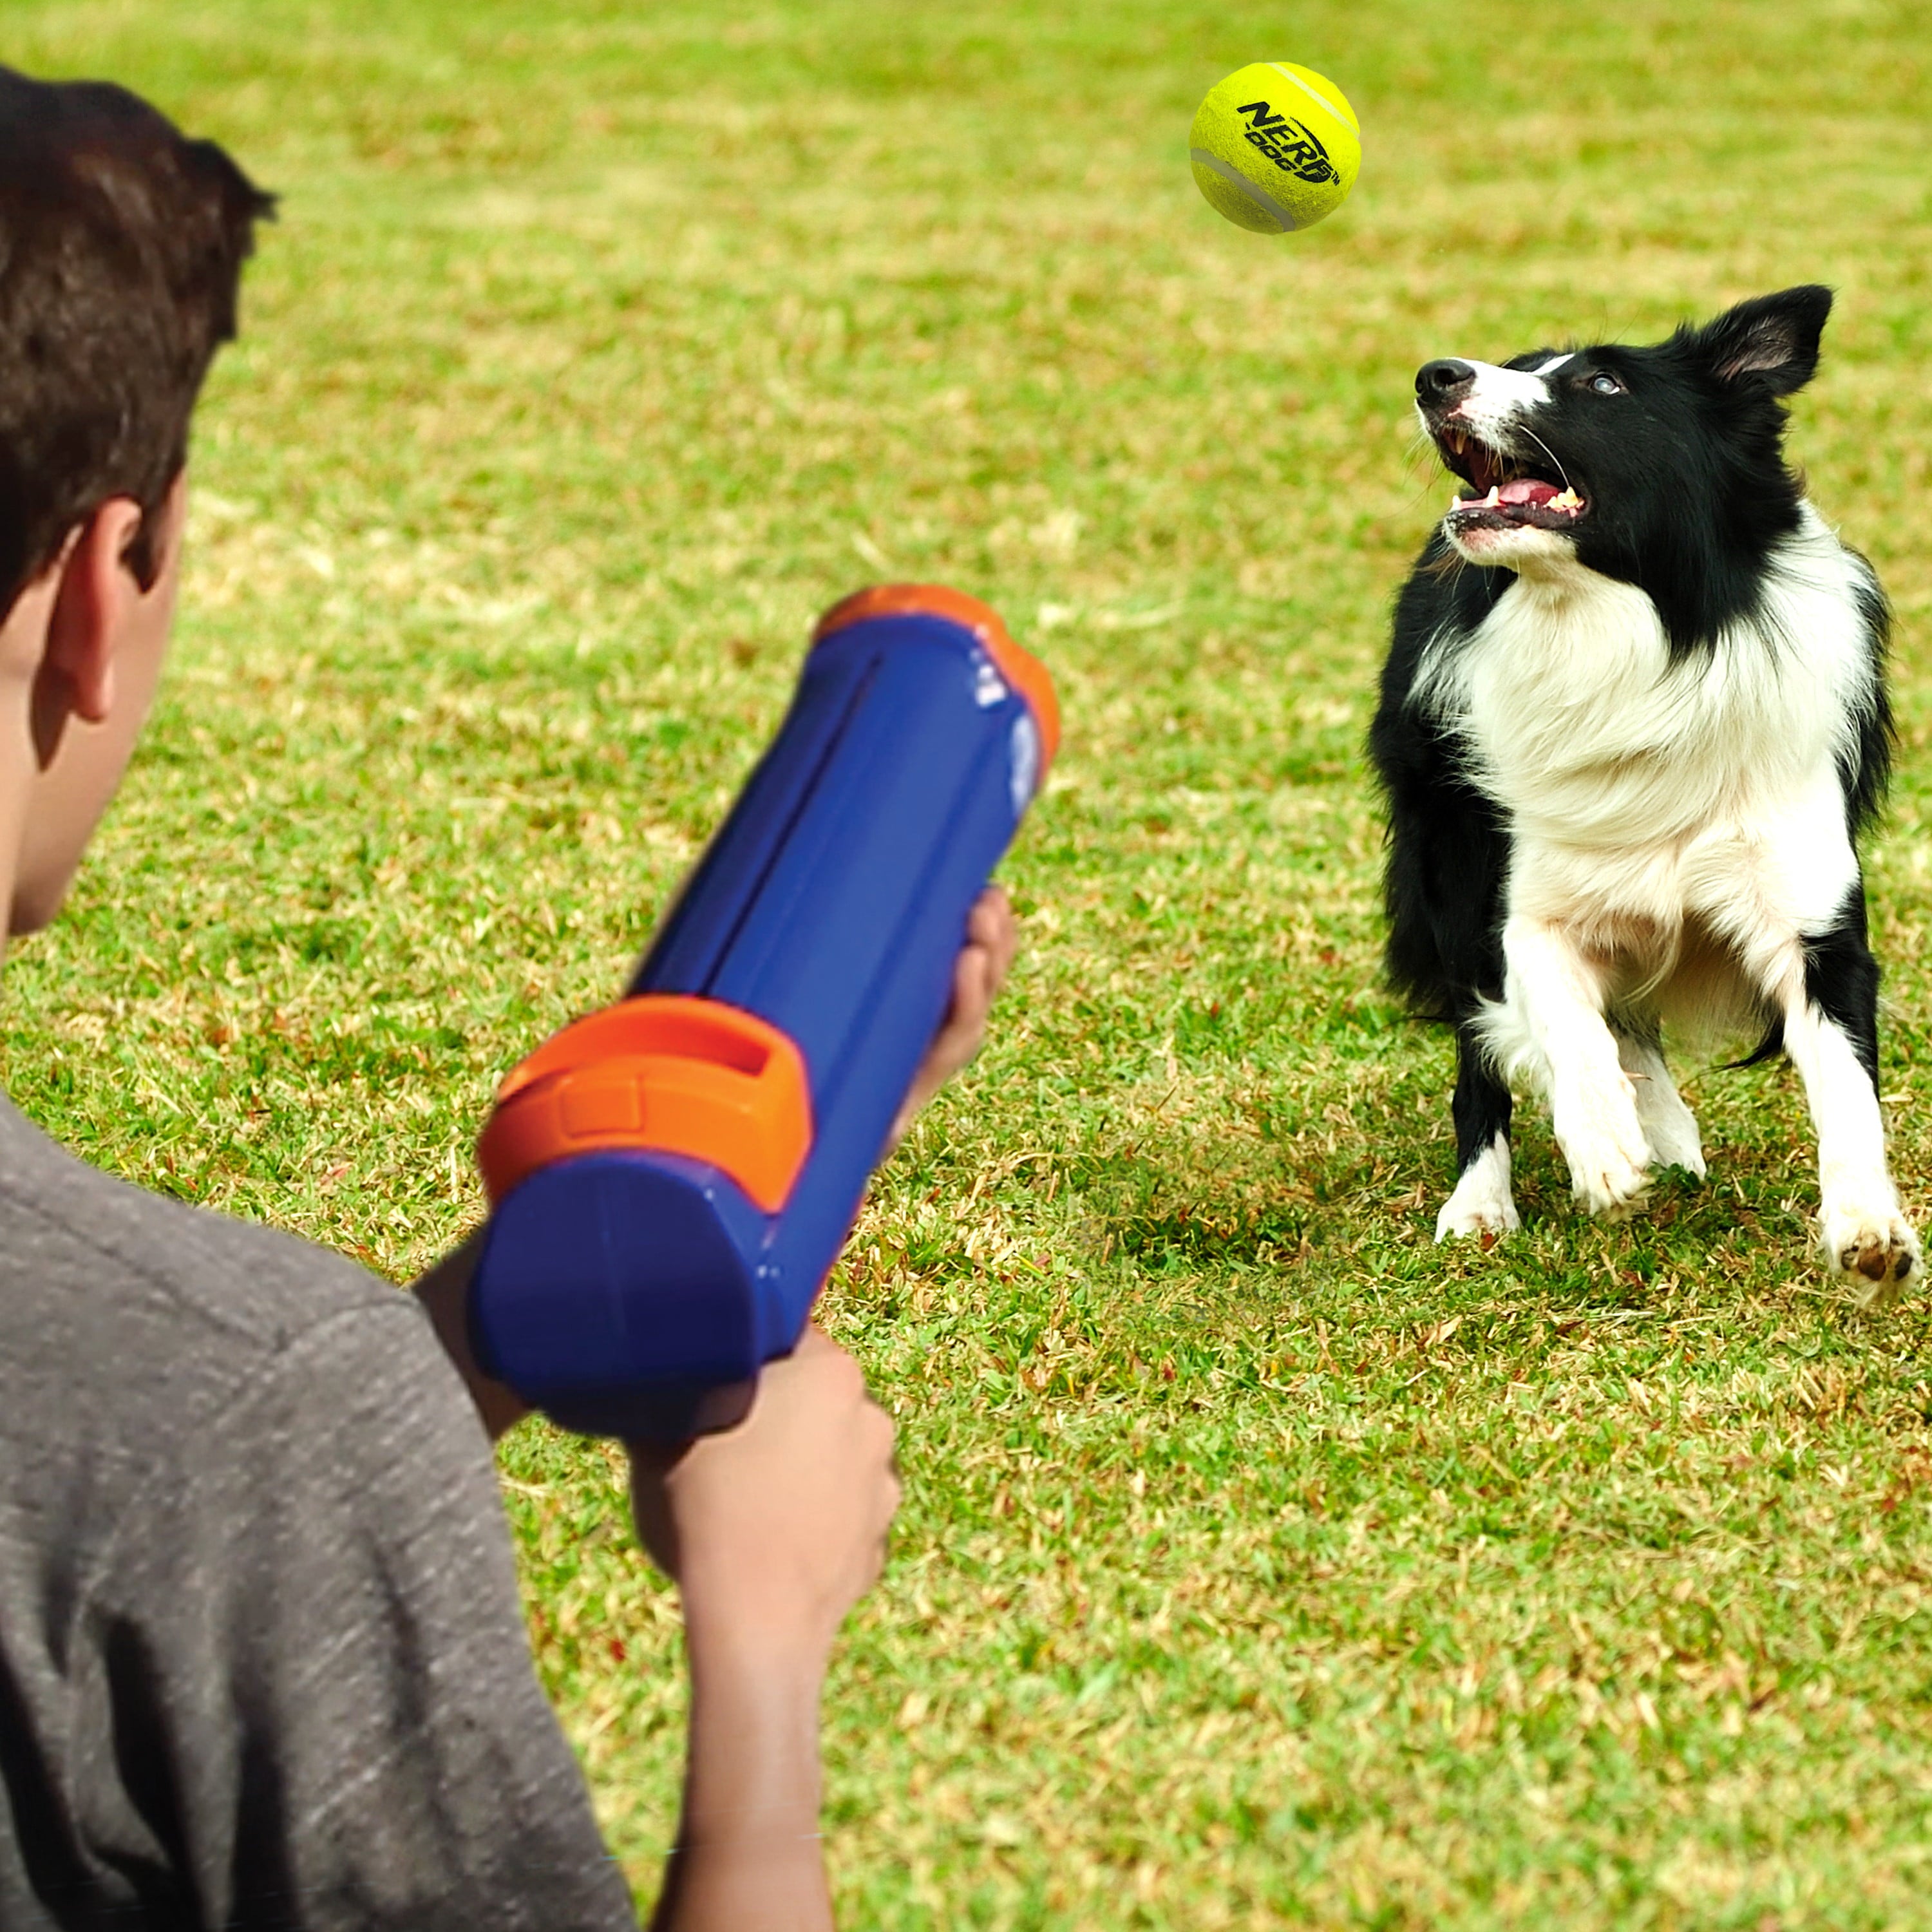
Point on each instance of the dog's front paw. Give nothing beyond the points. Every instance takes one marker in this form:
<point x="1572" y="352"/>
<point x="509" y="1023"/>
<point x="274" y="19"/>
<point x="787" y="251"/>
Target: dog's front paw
<point x="1606" y="1181"/>
<point x="1604" y="1141"/>
<point x="1874" y="1249"/>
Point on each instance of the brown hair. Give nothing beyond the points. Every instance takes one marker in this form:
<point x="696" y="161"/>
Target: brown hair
<point x="121" y="244"/>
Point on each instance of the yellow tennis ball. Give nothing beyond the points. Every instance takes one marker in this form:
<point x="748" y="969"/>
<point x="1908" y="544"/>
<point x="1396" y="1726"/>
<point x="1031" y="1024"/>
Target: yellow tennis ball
<point x="1276" y="147"/>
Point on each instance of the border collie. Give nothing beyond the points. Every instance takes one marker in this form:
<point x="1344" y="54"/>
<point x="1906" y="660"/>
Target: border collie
<point x="1633" y="722"/>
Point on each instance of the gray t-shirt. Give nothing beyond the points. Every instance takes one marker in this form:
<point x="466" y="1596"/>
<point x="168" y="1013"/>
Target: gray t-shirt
<point x="262" y="1660"/>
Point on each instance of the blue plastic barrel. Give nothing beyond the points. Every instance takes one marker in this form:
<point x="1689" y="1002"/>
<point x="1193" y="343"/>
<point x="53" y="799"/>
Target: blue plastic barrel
<point x="674" y="1177"/>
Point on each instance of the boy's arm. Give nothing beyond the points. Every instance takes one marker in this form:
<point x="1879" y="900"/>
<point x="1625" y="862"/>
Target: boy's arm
<point x="773" y="1530"/>
<point x="991" y="934"/>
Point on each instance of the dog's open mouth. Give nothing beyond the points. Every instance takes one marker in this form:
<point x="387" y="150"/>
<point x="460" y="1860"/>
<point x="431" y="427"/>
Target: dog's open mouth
<point x="1506" y="490"/>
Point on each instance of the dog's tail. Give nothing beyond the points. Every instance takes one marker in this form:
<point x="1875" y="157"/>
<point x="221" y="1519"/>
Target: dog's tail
<point x="1772" y="1043"/>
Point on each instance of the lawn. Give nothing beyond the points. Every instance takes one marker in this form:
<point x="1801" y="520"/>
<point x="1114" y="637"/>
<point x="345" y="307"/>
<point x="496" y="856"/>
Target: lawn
<point x="1261" y="1564"/>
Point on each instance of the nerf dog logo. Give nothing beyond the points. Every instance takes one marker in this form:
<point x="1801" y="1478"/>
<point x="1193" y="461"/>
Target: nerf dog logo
<point x="1288" y="144"/>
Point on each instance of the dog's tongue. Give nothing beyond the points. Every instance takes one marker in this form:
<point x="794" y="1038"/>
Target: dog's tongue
<point x="1526" y="490"/>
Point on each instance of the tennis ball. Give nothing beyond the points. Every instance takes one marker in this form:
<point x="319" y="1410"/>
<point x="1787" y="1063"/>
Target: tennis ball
<point x="1275" y="147"/>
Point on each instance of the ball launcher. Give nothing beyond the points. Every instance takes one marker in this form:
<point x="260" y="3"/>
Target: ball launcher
<point x="671" y="1178"/>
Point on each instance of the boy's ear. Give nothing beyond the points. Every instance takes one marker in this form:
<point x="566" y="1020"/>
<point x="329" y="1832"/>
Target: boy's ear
<point x="1772" y="339"/>
<point x="97" y="590"/>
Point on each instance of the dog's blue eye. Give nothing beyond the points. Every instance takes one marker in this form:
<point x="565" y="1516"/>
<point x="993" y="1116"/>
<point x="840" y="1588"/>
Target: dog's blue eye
<point x="1606" y="385"/>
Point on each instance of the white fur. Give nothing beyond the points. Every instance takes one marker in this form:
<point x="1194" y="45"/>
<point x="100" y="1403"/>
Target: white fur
<point x="1643" y="794"/>
<point x="1677" y="830"/>
<point x="1861" y="1232"/>
<point x="1555" y="363"/>
<point x="1554" y="996"/>
<point x="1498" y="398"/>
<point x="1515" y="546"/>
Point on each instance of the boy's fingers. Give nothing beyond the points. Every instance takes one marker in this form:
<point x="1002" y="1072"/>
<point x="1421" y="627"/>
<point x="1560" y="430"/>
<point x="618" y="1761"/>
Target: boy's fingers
<point x="992" y="936"/>
<point x="991" y="924"/>
<point x="966" y="1017"/>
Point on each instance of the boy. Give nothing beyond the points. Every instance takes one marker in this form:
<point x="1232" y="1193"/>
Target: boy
<point x="262" y="1660"/>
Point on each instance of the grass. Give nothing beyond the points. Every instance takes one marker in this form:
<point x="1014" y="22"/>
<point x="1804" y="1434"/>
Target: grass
<point x="1261" y="1564"/>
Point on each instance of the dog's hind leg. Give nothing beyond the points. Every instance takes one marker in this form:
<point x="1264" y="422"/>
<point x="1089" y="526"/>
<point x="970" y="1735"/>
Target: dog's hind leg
<point x="1669" y="1127"/>
<point x="1482" y="1203"/>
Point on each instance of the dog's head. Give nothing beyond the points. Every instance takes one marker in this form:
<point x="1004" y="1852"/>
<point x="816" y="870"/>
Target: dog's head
<point x="1657" y="465"/>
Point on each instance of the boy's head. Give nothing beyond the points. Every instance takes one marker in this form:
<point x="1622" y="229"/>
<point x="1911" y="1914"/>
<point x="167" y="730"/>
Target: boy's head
<point x="121" y="244"/>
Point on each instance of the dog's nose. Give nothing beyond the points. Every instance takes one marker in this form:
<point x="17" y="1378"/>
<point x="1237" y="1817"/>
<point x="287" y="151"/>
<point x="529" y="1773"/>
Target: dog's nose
<point x="1438" y="381"/>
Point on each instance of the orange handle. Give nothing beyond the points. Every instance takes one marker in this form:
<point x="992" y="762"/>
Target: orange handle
<point x="662" y="1073"/>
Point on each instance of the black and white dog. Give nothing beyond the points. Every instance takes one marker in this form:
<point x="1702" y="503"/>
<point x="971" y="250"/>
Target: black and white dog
<point x="1633" y="721"/>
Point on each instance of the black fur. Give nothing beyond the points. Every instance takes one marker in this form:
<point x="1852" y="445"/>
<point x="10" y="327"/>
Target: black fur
<point x="1686" y="468"/>
<point x="1447" y="843"/>
<point x="1448" y="850"/>
<point x="1683" y="471"/>
<point x="1841" y="978"/>
<point x="1866" y="772"/>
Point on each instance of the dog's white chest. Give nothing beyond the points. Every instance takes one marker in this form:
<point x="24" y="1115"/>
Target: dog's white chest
<point x="1575" y="719"/>
<point x="1642" y="788"/>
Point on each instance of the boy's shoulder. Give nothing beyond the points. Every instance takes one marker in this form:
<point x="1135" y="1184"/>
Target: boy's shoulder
<point x="259" y="1619"/>
<point x="126" y="1317"/>
<point x="57" y="1208"/>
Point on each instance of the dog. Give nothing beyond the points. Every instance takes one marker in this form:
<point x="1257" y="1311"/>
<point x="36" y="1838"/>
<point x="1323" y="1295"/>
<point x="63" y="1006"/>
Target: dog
<point x="1633" y="722"/>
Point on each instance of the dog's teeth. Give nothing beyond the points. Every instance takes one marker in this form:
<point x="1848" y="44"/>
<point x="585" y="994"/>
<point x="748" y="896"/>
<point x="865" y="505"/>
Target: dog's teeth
<point x="1495" y="497"/>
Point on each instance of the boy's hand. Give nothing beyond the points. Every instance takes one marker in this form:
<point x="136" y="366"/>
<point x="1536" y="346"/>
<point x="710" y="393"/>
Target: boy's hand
<point x="992" y="934"/>
<point x="774" y="1528"/>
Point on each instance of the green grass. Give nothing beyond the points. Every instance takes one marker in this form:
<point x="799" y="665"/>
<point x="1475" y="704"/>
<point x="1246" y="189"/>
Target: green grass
<point x="1261" y="1564"/>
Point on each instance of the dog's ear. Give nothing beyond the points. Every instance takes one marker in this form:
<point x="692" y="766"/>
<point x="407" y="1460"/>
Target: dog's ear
<point x="1772" y="339"/>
